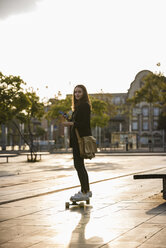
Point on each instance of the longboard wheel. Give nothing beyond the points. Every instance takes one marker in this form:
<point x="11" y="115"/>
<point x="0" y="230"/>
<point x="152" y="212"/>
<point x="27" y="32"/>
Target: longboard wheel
<point x="67" y="204"/>
<point x="82" y="205"/>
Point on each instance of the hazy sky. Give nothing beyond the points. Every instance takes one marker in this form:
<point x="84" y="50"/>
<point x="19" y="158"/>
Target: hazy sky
<point x="102" y="44"/>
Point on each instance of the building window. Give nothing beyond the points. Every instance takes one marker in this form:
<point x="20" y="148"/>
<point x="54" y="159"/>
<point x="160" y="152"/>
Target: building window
<point x="155" y="125"/>
<point x="145" y="111"/>
<point x="136" y="111"/>
<point x="123" y="100"/>
<point x="117" y="100"/>
<point x="156" y="111"/>
<point x="145" y="125"/>
<point x="134" y="125"/>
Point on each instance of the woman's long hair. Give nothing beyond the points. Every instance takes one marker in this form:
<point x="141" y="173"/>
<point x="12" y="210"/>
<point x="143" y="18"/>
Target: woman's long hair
<point x="84" y="98"/>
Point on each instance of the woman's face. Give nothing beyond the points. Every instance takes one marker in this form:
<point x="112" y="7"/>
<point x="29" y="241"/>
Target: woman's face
<point x="78" y="93"/>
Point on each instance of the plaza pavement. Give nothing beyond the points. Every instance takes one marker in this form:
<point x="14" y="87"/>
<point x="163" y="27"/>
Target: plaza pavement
<point x="123" y="212"/>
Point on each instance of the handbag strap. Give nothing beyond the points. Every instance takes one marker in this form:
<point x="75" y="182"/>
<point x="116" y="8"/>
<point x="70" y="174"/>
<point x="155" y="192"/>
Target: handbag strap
<point x="77" y="134"/>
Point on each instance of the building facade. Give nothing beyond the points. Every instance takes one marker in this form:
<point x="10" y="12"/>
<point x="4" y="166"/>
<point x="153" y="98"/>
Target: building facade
<point x="118" y="123"/>
<point x="144" y="117"/>
<point x="137" y="125"/>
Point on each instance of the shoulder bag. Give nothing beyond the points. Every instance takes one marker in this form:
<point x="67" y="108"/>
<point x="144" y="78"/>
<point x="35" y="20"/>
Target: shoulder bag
<point x="87" y="146"/>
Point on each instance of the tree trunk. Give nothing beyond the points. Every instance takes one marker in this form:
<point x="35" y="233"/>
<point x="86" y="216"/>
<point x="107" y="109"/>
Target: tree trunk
<point x="3" y="138"/>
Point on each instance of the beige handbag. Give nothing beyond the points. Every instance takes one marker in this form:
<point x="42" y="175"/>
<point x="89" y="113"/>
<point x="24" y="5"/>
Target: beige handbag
<point x="87" y="146"/>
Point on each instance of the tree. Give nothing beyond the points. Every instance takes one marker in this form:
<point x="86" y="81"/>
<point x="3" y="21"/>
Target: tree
<point x="34" y="111"/>
<point x="10" y="92"/>
<point x="100" y="112"/>
<point x="19" y="106"/>
<point x="153" y="92"/>
<point x="12" y="99"/>
<point x="56" y="106"/>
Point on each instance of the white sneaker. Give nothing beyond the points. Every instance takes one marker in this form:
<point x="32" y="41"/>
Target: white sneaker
<point x="89" y="194"/>
<point x="79" y="197"/>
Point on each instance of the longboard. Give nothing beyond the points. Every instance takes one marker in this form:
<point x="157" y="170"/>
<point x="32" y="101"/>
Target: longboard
<point x="79" y="203"/>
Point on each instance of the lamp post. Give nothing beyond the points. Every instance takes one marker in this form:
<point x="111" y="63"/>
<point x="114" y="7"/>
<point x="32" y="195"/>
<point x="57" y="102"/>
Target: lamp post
<point x="139" y="126"/>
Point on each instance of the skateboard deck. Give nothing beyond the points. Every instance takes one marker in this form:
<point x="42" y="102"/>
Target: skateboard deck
<point x="79" y="203"/>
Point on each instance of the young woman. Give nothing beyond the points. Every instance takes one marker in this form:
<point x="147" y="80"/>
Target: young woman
<point x="81" y="120"/>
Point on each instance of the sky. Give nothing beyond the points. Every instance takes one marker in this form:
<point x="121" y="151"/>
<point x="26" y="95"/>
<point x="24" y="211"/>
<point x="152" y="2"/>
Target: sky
<point x="53" y="45"/>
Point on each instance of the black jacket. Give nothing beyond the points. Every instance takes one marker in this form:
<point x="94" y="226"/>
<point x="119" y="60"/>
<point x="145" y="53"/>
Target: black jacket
<point x="81" y="119"/>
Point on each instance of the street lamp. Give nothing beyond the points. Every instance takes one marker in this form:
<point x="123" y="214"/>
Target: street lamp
<point x="138" y="112"/>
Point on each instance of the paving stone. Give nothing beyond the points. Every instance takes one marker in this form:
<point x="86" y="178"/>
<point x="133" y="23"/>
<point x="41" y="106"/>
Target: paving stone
<point x="123" y="213"/>
<point x="156" y="241"/>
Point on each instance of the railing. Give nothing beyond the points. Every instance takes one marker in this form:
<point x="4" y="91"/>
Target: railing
<point x="103" y="148"/>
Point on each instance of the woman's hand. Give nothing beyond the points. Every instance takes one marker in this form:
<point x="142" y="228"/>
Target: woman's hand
<point x="68" y="123"/>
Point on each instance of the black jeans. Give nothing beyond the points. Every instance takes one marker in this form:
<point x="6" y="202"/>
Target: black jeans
<point x="80" y="167"/>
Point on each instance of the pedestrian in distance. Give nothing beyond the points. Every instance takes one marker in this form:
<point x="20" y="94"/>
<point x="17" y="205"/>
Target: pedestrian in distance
<point x="80" y="119"/>
<point x="127" y="143"/>
<point x="150" y="145"/>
